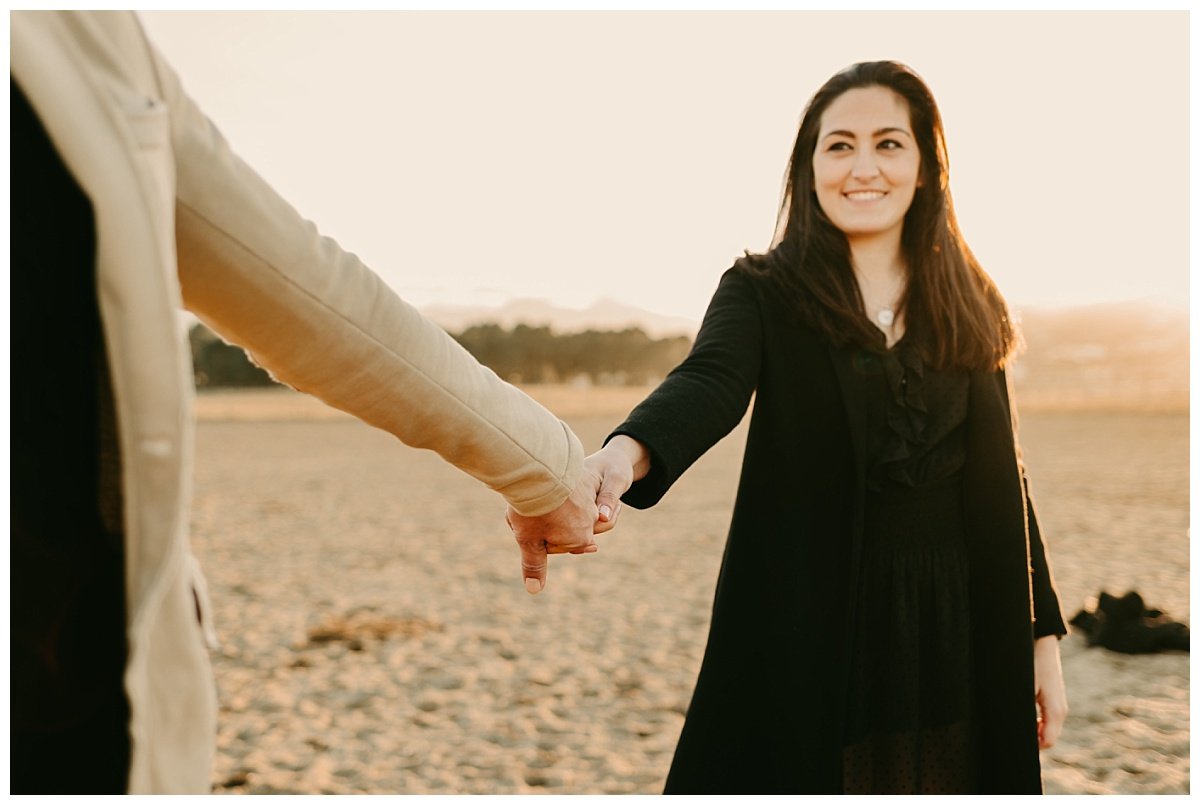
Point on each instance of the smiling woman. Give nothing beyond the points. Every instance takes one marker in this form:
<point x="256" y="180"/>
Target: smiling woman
<point x="884" y="583"/>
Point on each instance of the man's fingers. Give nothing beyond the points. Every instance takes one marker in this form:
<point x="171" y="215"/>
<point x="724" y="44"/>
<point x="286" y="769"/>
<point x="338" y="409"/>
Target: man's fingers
<point x="533" y="566"/>
<point x="567" y="529"/>
<point x="573" y="547"/>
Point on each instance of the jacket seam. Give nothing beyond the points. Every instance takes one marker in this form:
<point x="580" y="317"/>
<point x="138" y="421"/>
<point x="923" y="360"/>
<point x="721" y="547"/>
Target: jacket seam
<point x="559" y="476"/>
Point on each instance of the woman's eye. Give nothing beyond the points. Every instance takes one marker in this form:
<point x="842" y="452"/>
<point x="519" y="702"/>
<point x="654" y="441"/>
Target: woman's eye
<point x="840" y="147"/>
<point x="890" y="145"/>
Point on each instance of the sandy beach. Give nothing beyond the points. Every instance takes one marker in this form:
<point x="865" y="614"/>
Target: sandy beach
<point x="376" y="637"/>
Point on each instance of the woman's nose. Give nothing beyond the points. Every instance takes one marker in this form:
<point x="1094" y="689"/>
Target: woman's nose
<point x="865" y="166"/>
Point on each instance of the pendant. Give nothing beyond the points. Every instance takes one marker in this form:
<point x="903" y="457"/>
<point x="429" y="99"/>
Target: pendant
<point x="885" y="317"/>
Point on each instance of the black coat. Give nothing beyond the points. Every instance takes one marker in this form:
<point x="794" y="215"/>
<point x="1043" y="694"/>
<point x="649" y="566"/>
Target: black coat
<point x="767" y="712"/>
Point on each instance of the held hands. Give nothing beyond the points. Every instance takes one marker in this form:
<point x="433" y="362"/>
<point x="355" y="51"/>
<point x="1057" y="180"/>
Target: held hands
<point x="592" y="508"/>
<point x="1051" y="692"/>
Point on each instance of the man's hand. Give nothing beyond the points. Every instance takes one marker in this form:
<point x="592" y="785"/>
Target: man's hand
<point x="592" y="508"/>
<point x="567" y="529"/>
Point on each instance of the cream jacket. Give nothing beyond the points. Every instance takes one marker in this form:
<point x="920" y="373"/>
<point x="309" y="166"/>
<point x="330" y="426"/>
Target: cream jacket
<point x="183" y="223"/>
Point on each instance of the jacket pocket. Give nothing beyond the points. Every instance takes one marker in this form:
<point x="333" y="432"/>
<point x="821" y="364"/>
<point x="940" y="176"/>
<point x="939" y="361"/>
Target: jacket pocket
<point x="199" y="587"/>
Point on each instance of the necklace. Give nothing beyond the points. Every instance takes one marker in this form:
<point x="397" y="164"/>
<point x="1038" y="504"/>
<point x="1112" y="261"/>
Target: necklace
<point x="885" y="316"/>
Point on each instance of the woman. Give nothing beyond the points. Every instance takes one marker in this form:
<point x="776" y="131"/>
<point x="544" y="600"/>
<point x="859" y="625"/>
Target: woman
<point x="885" y="617"/>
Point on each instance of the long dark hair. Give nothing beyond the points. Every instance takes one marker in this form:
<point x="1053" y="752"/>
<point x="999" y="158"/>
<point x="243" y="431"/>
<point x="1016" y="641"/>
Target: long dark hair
<point x="951" y="306"/>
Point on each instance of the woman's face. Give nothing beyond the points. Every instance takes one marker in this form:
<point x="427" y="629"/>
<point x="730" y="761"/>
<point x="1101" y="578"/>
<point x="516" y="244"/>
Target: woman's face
<point x="866" y="165"/>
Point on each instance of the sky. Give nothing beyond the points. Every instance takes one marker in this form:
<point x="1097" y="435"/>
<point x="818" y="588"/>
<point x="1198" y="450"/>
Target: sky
<point x="476" y="157"/>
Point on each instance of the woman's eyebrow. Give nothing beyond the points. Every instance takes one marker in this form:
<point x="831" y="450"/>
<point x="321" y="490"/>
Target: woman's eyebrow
<point x="877" y="133"/>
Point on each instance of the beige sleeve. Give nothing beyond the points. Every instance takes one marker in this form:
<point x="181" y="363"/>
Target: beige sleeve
<point x="320" y="321"/>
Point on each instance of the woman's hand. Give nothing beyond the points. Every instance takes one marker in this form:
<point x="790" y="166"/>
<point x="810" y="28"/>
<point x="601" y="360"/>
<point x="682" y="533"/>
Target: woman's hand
<point x="615" y="467"/>
<point x="1051" y="692"/>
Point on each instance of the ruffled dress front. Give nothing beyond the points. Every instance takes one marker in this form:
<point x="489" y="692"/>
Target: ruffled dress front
<point x="909" y="720"/>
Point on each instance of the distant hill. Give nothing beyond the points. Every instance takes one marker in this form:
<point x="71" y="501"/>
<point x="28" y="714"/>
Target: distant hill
<point x="1122" y="355"/>
<point x="1128" y="356"/>
<point x="605" y="314"/>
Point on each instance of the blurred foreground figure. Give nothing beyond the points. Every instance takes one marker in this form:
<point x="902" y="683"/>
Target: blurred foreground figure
<point x="128" y="205"/>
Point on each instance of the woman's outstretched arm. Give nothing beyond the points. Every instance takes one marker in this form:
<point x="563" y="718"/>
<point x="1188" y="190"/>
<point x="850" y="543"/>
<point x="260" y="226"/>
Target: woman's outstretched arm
<point x="703" y="398"/>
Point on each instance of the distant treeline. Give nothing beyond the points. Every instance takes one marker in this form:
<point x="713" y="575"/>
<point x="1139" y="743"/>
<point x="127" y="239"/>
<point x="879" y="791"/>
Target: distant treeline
<point x="521" y="355"/>
<point x="538" y="355"/>
<point x="216" y="364"/>
<point x="1118" y="357"/>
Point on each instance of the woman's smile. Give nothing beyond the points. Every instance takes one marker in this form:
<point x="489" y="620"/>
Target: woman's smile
<point x="863" y="196"/>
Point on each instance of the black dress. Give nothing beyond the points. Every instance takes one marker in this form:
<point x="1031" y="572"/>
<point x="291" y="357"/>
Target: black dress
<point x="909" y="716"/>
<point x="774" y="709"/>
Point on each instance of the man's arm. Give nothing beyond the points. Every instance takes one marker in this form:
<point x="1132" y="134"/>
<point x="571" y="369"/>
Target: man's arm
<point x="320" y="321"/>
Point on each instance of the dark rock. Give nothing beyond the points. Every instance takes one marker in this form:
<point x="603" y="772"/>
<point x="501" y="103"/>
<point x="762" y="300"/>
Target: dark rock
<point x="1125" y="624"/>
